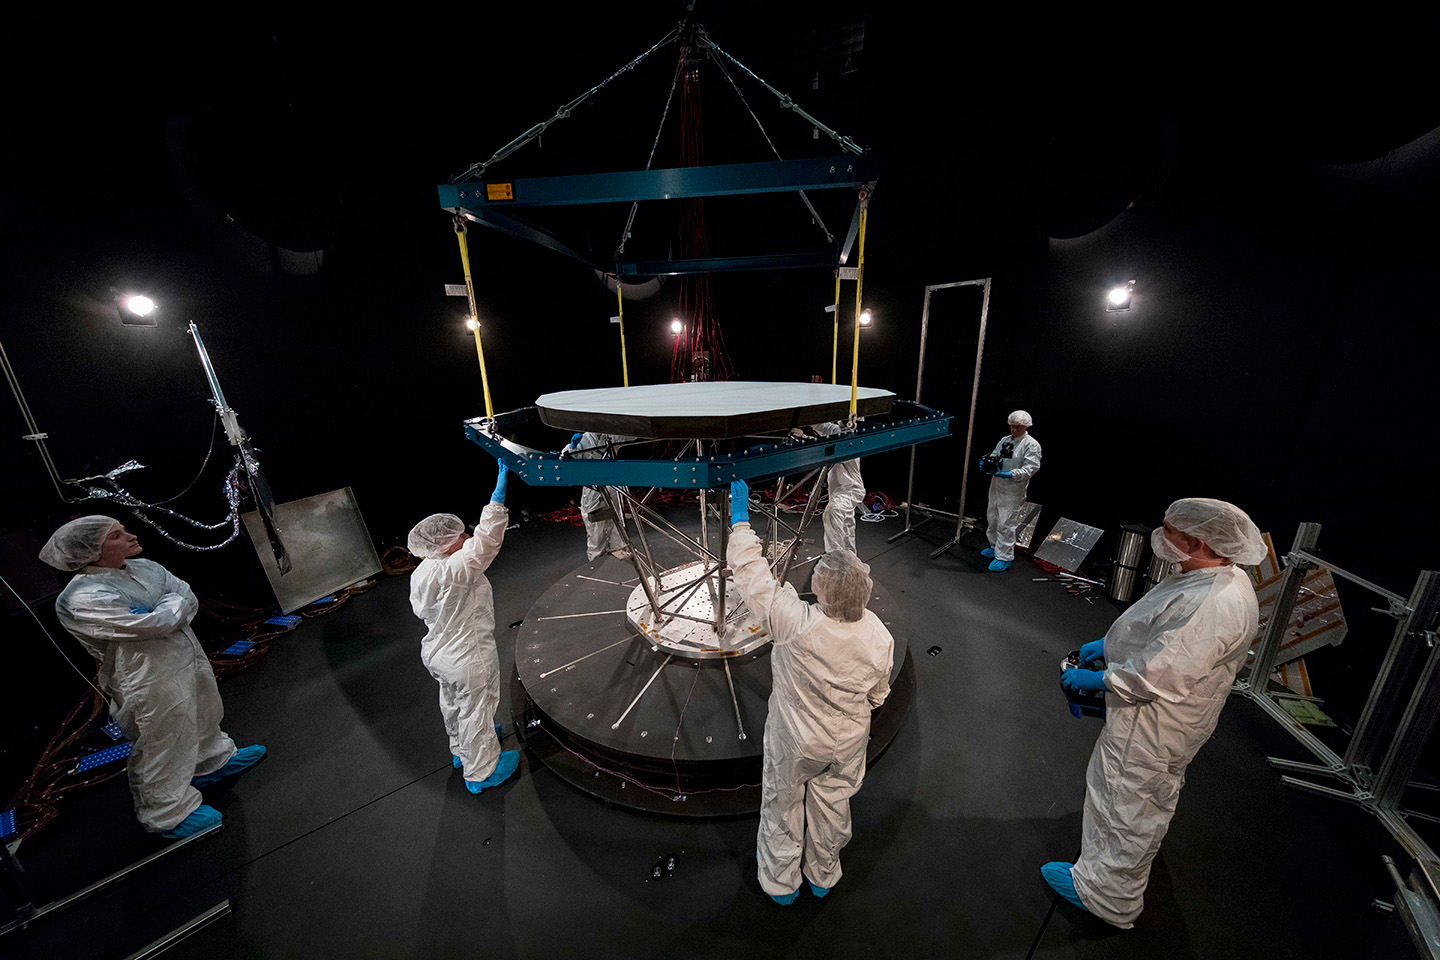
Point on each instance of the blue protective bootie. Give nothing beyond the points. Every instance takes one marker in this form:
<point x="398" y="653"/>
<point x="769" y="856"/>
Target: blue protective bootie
<point x="244" y="759"/>
<point x="988" y="552"/>
<point x="508" y="763"/>
<point x="456" y="762"/>
<point x="786" y="899"/>
<point x="998" y="566"/>
<point x="1057" y="874"/>
<point x="202" y="819"/>
<point x="818" y="891"/>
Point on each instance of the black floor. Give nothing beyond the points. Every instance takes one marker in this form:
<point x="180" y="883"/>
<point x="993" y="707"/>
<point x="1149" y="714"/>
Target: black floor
<point x="357" y="839"/>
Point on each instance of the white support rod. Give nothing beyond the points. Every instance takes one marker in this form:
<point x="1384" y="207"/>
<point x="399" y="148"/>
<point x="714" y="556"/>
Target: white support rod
<point x="974" y="395"/>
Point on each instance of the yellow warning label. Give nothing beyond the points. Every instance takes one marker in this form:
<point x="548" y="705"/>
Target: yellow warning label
<point x="499" y="191"/>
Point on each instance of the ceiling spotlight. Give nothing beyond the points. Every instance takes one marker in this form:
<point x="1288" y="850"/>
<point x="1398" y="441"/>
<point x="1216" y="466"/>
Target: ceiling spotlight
<point x="472" y="324"/>
<point x="1119" y="298"/>
<point x="676" y="326"/>
<point x="865" y="319"/>
<point x="137" y="311"/>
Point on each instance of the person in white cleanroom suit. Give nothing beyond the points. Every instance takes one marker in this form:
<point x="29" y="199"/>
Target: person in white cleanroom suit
<point x="1007" y="489"/>
<point x="830" y="664"/>
<point x="846" y="491"/>
<point x="1168" y="664"/>
<point x="450" y="593"/>
<point x="602" y="534"/>
<point x="134" y="617"/>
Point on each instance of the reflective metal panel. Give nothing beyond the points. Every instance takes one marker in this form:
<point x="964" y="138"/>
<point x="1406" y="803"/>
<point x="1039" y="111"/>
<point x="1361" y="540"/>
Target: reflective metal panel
<point x="327" y="544"/>
<point x="1068" y="544"/>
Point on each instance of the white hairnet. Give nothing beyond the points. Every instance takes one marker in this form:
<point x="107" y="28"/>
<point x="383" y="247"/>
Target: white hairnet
<point x="435" y="534"/>
<point x="1226" y="528"/>
<point x="1021" y="419"/>
<point x="77" y="543"/>
<point x="842" y="585"/>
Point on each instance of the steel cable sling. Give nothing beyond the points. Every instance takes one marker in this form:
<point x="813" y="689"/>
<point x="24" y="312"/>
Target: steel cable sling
<point x="477" y="170"/>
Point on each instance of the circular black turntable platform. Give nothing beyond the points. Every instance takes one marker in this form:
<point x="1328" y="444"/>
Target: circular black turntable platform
<point x="646" y="729"/>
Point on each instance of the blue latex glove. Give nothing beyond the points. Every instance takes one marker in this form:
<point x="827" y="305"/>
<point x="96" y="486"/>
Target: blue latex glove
<point x="1089" y="681"/>
<point x="739" y="502"/>
<point x="1092" y="651"/>
<point x="1005" y="475"/>
<point x="575" y="440"/>
<point x="499" y="495"/>
<point x="980" y="464"/>
<point x="139" y="611"/>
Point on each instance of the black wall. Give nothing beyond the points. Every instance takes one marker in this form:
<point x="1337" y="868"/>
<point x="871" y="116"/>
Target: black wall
<point x="1280" y="232"/>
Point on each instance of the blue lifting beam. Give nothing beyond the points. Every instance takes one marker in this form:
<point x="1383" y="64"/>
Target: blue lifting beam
<point x="489" y="203"/>
<point x="672" y="183"/>
<point x="908" y="424"/>
<point x="776" y="261"/>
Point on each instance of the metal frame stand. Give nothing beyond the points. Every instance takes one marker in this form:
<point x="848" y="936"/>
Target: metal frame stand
<point x="27" y="912"/>
<point x="1380" y="793"/>
<point x="970" y="424"/>
<point x="715" y="572"/>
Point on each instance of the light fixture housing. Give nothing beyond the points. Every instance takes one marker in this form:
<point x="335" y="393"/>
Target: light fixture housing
<point x="472" y="324"/>
<point x="136" y="310"/>
<point x="865" y="318"/>
<point x="1120" y="298"/>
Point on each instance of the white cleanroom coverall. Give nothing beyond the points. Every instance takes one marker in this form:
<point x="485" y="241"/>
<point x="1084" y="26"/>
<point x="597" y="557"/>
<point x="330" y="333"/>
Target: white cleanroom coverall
<point x="846" y="491"/>
<point x="136" y="622"/>
<point x="1171" y="659"/>
<point x="601" y="536"/>
<point x="454" y="599"/>
<point x="827" y="677"/>
<point x="1006" y="495"/>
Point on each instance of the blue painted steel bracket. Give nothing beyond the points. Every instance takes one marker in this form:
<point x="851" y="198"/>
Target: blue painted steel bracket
<point x="625" y="186"/>
<point x="524" y="231"/>
<point x="908" y="424"/>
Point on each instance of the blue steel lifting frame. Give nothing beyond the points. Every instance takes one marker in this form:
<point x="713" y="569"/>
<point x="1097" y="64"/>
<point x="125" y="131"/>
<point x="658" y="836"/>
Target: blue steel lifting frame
<point x="908" y="424"/>
<point x="474" y="196"/>
<point x="470" y="200"/>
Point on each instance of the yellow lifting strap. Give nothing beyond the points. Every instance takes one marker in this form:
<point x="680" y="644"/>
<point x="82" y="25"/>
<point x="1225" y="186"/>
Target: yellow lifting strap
<point x="835" y="351"/>
<point x="474" y="313"/>
<point x="620" y="300"/>
<point x="859" y="285"/>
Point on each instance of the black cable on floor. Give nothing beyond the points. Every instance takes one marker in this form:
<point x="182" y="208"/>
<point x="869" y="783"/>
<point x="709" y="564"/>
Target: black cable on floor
<point x="1035" y="945"/>
<point x="1054" y="902"/>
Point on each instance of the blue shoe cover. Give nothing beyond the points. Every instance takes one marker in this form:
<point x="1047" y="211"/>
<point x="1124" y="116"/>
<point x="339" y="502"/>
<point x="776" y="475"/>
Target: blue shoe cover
<point x="1057" y="874"/>
<point x="244" y="759"/>
<point x="818" y="891"/>
<point x="508" y="763"/>
<point x="202" y="819"/>
<point x="787" y="899"/>
<point x="996" y="566"/>
<point x="988" y="552"/>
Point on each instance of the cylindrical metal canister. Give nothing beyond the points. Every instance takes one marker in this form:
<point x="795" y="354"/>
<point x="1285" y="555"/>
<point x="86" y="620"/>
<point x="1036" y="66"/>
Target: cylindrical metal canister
<point x="1159" y="569"/>
<point x="1128" y="553"/>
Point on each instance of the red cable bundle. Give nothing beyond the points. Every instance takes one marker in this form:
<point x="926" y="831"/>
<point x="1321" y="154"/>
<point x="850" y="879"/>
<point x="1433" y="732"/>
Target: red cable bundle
<point x="879" y="501"/>
<point x="699" y="351"/>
